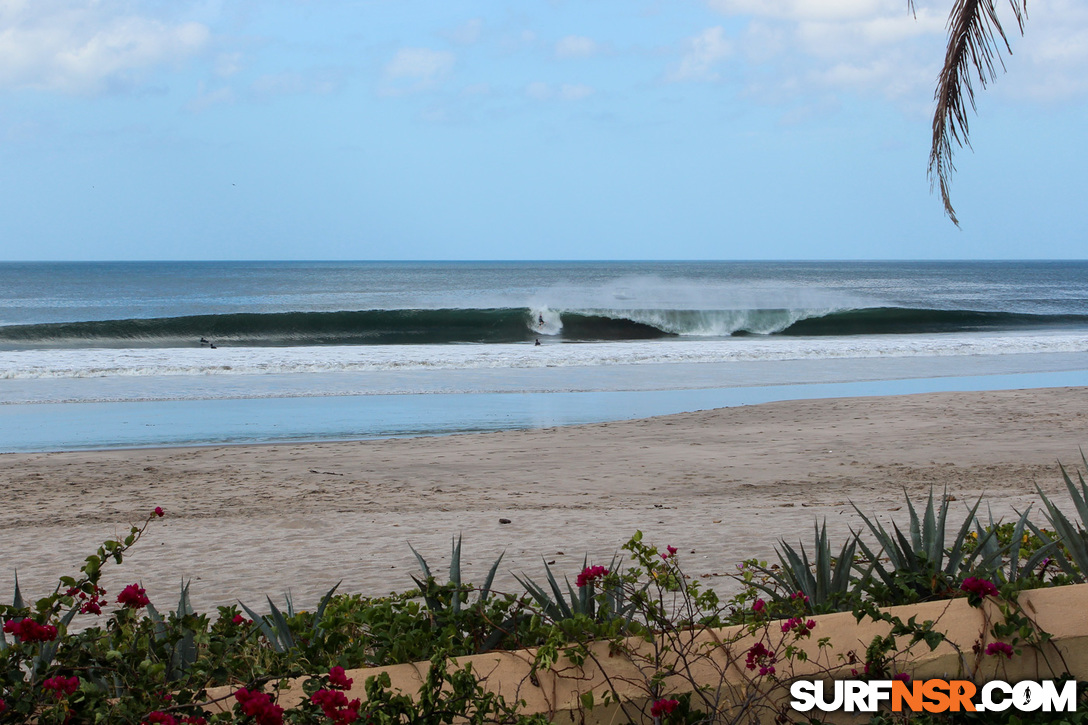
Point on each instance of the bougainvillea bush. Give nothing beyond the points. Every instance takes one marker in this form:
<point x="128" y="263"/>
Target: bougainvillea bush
<point x="85" y="655"/>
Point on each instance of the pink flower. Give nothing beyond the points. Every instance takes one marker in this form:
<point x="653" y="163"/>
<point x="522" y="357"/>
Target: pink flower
<point x="798" y="627"/>
<point x="260" y="707"/>
<point x="239" y="620"/>
<point x="160" y="718"/>
<point x="671" y="553"/>
<point x="1000" y="648"/>
<point x="158" y="512"/>
<point x="3" y="706"/>
<point x="336" y="707"/>
<point x="338" y="679"/>
<point x="980" y="587"/>
<point x="88" y="604"/>
<point x="759" y="606"/>
<point x="27" y="630"/>
<point x="133" y="596"/>
<point x="662" y="707"/>
<point x="589" y="574"/>
<point x="761" y="657"/>
<point x="903" y="676"/>
<point x="61" y="686"/>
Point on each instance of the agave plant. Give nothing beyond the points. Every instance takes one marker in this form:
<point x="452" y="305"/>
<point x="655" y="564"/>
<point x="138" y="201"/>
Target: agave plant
<point x="449" y="604"/>
<point x="1015" y="567"/>
<point x="46" y="650"/>
<point x="275" y="627"/>
<point x="183" y="654"/>
<point x="1072" y="535"/>
<point x="458" y="595"/>
<point x="826" y="581"/>
<point x="582" y="599"/>
<point x="918" y="564"/>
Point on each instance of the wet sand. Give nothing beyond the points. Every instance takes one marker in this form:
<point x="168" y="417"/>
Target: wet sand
<point x="724" y="485"/>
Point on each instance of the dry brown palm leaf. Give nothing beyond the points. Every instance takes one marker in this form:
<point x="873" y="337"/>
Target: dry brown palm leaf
<point x="975" y="37"/>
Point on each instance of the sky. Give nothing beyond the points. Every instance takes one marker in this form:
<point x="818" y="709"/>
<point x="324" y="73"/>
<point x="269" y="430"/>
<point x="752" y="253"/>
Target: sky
<point x="537" y="129"/>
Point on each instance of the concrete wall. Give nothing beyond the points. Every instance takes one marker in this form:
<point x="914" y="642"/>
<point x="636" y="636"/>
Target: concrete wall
<point x="716" y="659"/>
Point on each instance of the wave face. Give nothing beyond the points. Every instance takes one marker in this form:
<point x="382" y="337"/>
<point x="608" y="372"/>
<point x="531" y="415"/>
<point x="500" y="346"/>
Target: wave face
<point x="509" y="325"/>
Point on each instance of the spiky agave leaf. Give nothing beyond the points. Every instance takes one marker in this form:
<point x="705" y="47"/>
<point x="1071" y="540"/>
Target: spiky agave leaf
<point x="485" y="590"/>
<point x="455" y="574"/>
<point x="924" y="551"/>
<point x="1073" y="535"/>
<point x="825" y="579"/>
<point x="270" y="633"/>
<point x="992" y="550"/>
<point x="319" y="614"/>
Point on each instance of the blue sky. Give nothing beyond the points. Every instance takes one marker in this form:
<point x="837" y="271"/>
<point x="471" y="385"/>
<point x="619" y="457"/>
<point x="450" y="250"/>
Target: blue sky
<point x="541" y="129"/>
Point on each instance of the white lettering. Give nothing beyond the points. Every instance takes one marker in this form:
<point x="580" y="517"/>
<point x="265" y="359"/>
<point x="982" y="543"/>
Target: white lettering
<point x="854" y="696"/>
<point x="1027" y="695"/>
<point x="836" y="702"/>
<point x="1064" y="701"/>
<point x="988" y="699"/>
<point x="879" y="691"/>
<point x="804" y="695"/>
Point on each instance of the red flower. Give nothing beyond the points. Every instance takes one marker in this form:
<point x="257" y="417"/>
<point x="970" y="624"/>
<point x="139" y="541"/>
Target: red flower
<point x="61" y="686"/>
<point x="3" y="706"/>
<point x="239" y="619"/>
<point x="338" y="680"/>
<point x="901" y="676"/>
<point x="158" y="512"/>
<point x="589" y="574"/>
<point x="27" y="630"/>
<point x="759" y="606"/>
<point x="980" y="587"/>
<point x="761" y="657"/>
<point x="336" y="707"/>
<point x="1000" y="648"/>
<point x="133" y="596"/>
<point x="260" y="707"/>
<point x="160" y="718"/>
<point x="798" y="627"/>
<point x="662" y="707"/>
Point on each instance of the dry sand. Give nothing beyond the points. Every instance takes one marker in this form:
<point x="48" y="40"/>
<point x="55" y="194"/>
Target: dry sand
<point x="722" y="485"/>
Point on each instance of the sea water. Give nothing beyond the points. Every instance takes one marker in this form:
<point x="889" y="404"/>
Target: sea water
<point x="121" y="354"/>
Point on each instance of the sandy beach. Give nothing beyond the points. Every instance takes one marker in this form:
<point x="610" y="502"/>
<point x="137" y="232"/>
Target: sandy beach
<point x="242" y="522"/>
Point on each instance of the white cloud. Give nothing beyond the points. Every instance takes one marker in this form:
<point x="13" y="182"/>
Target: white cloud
<point x="205" y="99"/>
<point x="797" y="10"/>
<point x="227" y="64"/>
<point x="575" y="91"/>
<point x="868" y="46"/>
<point x="1050" y="62"/>
<point x="477" y="89"/>
<point x="467" y="33"/>
<point x="575" y="46"/>
<point x="541" y="91"/>
<point x="702" y="54"/>
<point x="86" y="47"/>
<point x="294" y="83"/>
<point x="877" y="47"/>
<point x="414" y="69"/>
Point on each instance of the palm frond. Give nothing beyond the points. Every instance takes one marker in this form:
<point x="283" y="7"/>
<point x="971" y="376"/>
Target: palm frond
<point x="975" y="39"/>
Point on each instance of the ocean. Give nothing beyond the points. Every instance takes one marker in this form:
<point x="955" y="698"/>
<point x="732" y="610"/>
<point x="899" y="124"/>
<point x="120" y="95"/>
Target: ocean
<point x="130" y="354"/>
